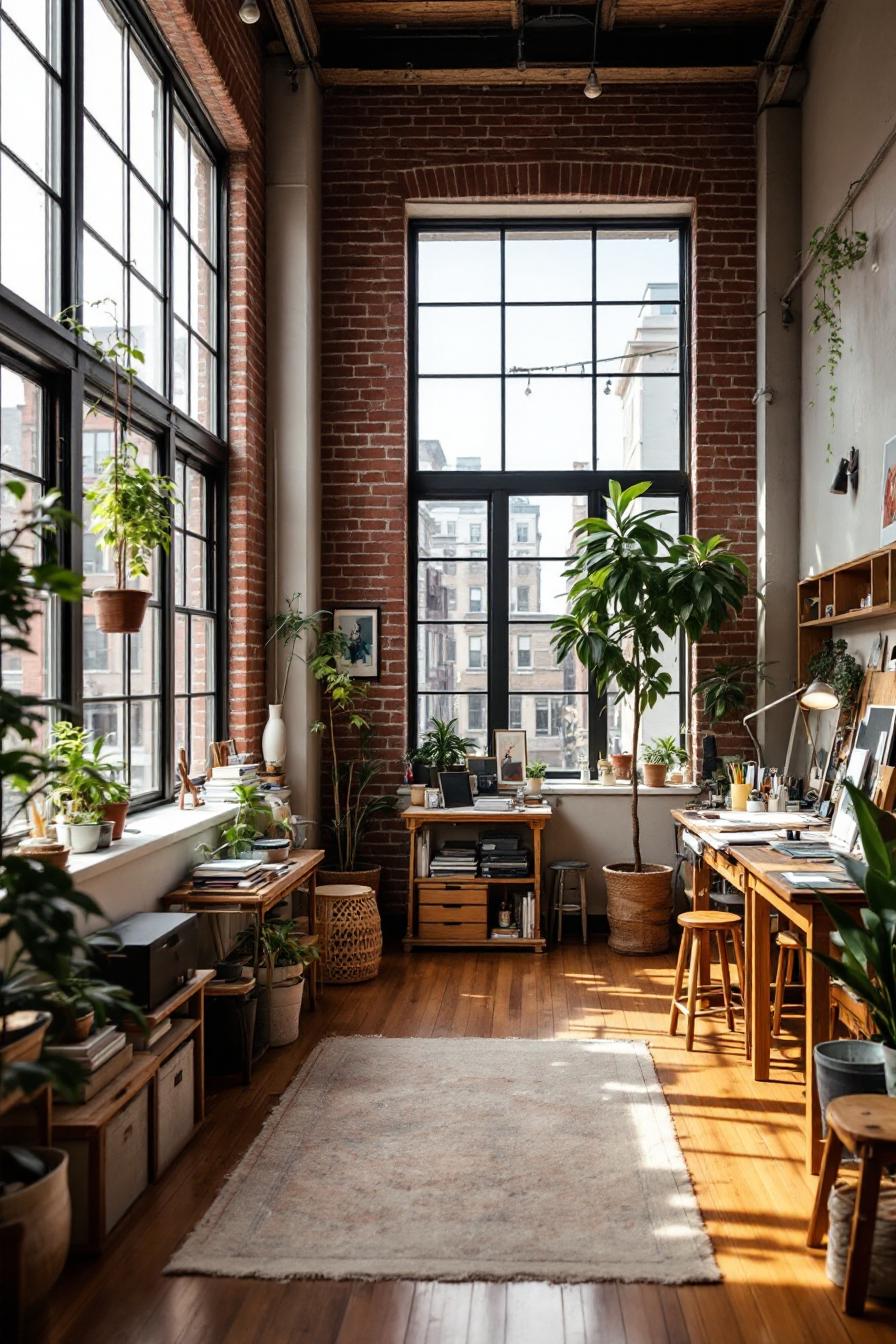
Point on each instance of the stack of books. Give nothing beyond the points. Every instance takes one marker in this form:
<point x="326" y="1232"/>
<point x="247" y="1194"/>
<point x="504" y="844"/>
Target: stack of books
<point x="227" y="875"/>
<point x="503" y="856"/>
<point x="456" y="858"/>
<point x="218" y="787"/>
<point x="104" y="1055"/>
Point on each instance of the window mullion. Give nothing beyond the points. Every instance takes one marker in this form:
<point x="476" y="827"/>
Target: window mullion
<point x="499" y="612"/>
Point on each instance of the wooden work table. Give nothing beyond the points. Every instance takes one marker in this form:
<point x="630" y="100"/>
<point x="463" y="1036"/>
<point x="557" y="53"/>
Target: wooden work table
<point x="755" y="870"/>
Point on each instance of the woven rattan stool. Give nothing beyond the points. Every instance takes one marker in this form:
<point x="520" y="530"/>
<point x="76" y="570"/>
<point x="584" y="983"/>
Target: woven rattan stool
<point x="700" y="927"/>
<point x="561" y="904"/>
<point x="351" y="938"/>
<point x="866" y="1126"/>
<point x="790" y="948"/>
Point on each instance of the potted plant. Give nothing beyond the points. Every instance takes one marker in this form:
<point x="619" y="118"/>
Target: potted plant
<point x="535" y="773"/>
<point x="635" y="586"/>
<point x="867" y="962"/>
<point x="834" y="664"/>
<point x="85" y="779"/>
<point x="289" y="627"/>
<point x="281" y="972"/>
<point x="660" y="755"/>
<point x="239" y="837"/>
<point x="131" y="513"/>
<point x="442" y="748"/>
<point x="84" y="830"/>
<point x="41" y="946"/>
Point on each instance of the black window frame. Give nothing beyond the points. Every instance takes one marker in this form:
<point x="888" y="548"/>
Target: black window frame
<point x="71" y="376"/>
<point x="496" y="488"/>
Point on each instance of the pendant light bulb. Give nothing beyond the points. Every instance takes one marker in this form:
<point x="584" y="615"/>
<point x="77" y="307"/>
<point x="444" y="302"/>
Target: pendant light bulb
<point x="249" y="11"/>
<point x="593" y="87"/>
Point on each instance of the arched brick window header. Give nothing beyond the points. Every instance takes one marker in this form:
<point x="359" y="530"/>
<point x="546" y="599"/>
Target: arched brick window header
<point x="565" y="180"/>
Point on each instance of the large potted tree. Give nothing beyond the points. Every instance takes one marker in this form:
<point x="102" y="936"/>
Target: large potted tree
<point x="635" y="587"/>
<point x="43" y="952"/>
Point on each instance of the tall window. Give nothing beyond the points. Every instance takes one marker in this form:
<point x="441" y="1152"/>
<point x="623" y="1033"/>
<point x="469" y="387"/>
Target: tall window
<point x="117" y="205"/>
<point x="545" y="359"/>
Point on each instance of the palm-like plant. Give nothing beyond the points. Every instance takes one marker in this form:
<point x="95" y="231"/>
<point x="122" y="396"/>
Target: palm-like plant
<point x="442" y="746"/>
<point x="633" y="588"/>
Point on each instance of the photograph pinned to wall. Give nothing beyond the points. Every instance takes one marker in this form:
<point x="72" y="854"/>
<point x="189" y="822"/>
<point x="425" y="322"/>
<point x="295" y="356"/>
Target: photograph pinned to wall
<point x="361" y="627"/>
<point x="877" y="653"/>
<point x="888" y="495"/>
<point x="510" y="750"/>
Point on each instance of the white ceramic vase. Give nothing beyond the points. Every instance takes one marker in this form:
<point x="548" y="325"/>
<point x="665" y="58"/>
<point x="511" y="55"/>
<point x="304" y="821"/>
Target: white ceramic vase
<point x="273" y="739"/>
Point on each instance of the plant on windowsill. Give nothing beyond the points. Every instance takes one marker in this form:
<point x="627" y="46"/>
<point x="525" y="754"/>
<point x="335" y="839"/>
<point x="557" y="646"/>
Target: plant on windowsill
<point x="535" y="773"/>
<point x="442" y="748"/>
<point x="634" y="588"/>
<point x="131" y="513"/>
<point x="660" y="755"/>
<point x="42" y="950"/>
<point x="84" y="778"/>
<point x="834" y="253"/>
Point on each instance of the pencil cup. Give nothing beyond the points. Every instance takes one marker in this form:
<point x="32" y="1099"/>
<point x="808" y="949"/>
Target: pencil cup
<point x="739" y="795"/>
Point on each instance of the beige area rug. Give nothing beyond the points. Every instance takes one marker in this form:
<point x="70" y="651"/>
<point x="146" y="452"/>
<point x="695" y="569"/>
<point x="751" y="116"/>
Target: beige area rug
<point x="456" y="1159"/>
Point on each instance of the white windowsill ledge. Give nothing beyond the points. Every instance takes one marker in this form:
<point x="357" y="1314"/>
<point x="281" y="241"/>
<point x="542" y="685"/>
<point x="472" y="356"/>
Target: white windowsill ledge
<point x="563" y="788"/>
<point x="147" y="832"/>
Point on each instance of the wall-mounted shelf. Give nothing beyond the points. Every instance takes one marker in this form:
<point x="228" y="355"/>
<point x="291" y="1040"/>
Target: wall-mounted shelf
<point x="834" y="598"/>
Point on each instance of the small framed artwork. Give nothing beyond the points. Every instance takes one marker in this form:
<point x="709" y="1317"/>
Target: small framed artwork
<point x="484" y="769"/>
<point x="510" y="752"/>
<point x="361" y="627"/>
<point x="888" y="495"/>
<point x="876" y="653"/>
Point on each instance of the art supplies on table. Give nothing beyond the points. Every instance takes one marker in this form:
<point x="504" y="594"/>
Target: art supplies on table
<point x="833" y="881"/>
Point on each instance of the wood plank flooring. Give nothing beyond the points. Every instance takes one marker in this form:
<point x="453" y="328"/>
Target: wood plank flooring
<point x="742" y="1141"/>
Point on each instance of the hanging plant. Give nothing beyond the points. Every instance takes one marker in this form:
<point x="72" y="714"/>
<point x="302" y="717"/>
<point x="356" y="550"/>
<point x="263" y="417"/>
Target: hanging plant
<point x="833" y="253"/>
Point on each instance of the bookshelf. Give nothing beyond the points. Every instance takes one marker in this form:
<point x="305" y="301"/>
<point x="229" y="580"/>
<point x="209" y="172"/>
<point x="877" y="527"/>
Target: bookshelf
<point x="833" y="598"/>
<point x="454" y="911"/>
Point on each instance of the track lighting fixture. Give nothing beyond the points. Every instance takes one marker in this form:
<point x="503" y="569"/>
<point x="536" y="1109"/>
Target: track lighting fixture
<point x="249" y="11"/>
<point x="592" y="87"/>
<point x="847" y="474"/>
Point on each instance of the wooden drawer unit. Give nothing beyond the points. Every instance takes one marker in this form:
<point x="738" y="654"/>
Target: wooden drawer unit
<point x="451" y="912"/>
<point x="452" y="893"/>
<point x="453" y="930"/>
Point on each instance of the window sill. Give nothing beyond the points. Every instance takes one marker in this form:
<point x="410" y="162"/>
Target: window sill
<point x="147" y="832"/>
<point x="562" y="788"/>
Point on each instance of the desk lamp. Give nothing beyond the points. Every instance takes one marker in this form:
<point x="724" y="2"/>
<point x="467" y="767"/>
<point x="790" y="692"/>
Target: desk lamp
<point x="817" y="695"/>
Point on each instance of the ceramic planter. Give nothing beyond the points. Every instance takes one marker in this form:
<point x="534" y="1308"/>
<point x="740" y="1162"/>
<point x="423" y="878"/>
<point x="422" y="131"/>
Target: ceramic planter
<point x="418" y="795"/>
<point x="85" y="836"/>
<point x="280" y="1004"/>
<point x="654" y="776"/>
<point x="535" y="786"/>
<point x="117" y="814"/>
<point x="844" y="1068"/>
<point x="120" y="611"/>
<point x="48" y="851"/>
<point x="80" y="1028"/>
<point x="107" y="830"/>
<point x="273" y="740"/>
<point x="622" y="765"/>
<point x="44" y="1208"/>
<point x="271" y="850"/>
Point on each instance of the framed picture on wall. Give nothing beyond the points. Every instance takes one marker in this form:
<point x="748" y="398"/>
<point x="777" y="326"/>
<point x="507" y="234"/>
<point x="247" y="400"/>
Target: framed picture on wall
<point x="361" y="627"/>
<point x="888" y="495"/>
<point x="510" y="751"/>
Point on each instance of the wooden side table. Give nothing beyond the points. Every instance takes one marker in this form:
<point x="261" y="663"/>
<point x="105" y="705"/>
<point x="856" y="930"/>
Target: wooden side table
<point x="864" y="1125"/>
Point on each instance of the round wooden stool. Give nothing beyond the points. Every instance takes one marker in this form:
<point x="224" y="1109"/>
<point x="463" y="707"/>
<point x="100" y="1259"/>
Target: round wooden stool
<point x="790" y="948"/>
<point x="351" y="937"/>
<point x="865" y="1125"/>
<point x="700" y="927"/>
<point x="560" y="898"/>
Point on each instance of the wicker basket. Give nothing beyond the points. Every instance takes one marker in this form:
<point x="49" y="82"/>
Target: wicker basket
<point x="841" y="1203"/>
<point x="358" y="877"/>
<point x="351" y="939"/>
<point x="639" y="907"/>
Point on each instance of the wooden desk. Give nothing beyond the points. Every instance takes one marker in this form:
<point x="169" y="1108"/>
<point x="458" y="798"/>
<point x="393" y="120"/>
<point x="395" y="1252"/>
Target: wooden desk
<point x="534" y="818"/>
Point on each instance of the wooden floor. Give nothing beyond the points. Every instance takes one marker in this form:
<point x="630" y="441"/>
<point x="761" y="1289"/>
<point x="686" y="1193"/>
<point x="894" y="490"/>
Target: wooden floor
<point x="742" y="1141"/>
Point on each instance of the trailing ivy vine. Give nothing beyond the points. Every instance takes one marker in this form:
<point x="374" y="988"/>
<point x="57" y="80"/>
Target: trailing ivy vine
<point x="834" y="253"/>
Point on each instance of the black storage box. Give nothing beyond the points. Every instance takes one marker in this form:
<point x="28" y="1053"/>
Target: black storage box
<point x="158" y="953"/>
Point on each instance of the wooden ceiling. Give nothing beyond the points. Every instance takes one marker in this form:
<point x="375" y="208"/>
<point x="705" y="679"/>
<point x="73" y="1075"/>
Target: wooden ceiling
<point x="535" y="42"/>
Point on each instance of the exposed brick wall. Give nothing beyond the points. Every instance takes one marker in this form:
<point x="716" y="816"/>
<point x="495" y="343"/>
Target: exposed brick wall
<point x="223" y="60"/>
<point x="384" y="147"/>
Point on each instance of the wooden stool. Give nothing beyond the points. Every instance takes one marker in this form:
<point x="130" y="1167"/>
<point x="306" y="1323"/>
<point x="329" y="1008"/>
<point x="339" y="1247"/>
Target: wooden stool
<point x="789" y="949"/>
<point x="561" y="906"/>
<point x="866" y="1126"/>
<point x="351" y="938"/>
<point x="700" y="927"/>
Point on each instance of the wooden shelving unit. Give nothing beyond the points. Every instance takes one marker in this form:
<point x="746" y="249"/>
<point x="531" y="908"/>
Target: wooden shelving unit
<point x="834" y="598"/>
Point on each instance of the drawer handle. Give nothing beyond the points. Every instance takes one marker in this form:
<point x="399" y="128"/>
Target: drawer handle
<point x="178" y="1077"/>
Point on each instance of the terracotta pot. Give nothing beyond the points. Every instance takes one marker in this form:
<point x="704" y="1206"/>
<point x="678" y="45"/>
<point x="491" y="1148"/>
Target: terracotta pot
<point x="81" y="1028"/>
<point x="46" y="1212"/>
<point x="52" y="853"/>
<point x="358" y="877"/>
<point x="622" y="764"/>
<point x="639" y="907"/>
<point x="117" y="814"/>
<point x="654" y="776"/>
<point x="120" y="611"/>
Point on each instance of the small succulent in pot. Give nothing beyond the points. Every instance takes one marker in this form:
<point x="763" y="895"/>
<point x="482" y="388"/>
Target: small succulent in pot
<point x="661" y="755"/>
<point x="535" y="773"/>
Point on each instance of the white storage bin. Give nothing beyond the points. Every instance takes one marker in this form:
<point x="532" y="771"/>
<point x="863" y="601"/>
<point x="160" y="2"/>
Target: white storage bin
<point x="175" y="1106"/>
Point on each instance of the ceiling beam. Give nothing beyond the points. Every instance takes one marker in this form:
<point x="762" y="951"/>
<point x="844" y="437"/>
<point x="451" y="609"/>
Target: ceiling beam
<point x="786" y="47"/>
<point x="608" y="14"/>
<point x="542" y="75"/>
<point x="297" y="28"/>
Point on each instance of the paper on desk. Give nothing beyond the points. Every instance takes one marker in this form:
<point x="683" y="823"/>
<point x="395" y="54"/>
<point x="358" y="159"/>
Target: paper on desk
<point x="739" y="820"/>
<point x="801" y="879"/>
<point x="722" y="839"/>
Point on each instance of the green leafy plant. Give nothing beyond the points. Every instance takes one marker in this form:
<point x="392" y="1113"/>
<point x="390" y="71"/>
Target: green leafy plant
<point x="281" y="945"/>
<point x="868" y="964"/>
<point x="728" y="689"/>
<point x="42" y="946"/>
<point x="131" y="504"/>
<point x="536" y="770"/>
<point x="290" y="627"/>
<point x="84" y="779"/>
<point x="633" y="587"/>
<point x="664" y="751"/>
<point x="834" y="664"/>
<point x="253" y="818"/>
<point x="442" y="747"/>
<point x="833" y="253"/>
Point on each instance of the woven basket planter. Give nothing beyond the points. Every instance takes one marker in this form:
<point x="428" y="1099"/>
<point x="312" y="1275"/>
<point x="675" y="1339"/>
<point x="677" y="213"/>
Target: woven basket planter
<point x="841" y="1203"/>
<point x="351" y="938"/>
<point x="639" y="907"/>
<point x="357" y="877"/>
<point x="120" y="611"/>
